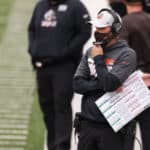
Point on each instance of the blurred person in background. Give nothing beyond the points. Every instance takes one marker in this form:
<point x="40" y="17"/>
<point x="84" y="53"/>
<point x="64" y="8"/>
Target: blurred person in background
<point x="103" y="68"/>
<point x="57" y="32"/>
<point x="146" y="5"/>
<point x="136" y="31"/>
<point x="118" y="6"/>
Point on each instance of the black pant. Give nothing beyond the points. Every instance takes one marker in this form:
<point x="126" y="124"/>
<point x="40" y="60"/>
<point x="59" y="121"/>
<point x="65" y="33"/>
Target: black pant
<point x="144" y="122"/>
<point x="55" y="89"/>
<point x="101" y="137"/>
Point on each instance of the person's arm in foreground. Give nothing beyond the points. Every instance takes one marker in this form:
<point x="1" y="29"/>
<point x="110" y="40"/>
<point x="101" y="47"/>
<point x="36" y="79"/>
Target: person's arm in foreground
<point x="83" y="83"/>
<point x="123" y="67"/>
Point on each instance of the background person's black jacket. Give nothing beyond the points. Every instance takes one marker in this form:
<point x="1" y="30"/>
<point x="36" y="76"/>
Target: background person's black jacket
<point x="111" y="70"/>
<point x="64" y="40"/>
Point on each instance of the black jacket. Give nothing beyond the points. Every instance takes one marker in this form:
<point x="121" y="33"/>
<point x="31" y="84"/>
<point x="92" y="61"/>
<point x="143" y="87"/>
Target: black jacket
<point x="58" y="32"/>
<point x="95" y="77"/>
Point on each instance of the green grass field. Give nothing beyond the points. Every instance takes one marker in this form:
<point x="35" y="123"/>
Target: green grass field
<point x="36" y="129"/>
<point x="5" y="7"/>
<point x="16" y="74"/>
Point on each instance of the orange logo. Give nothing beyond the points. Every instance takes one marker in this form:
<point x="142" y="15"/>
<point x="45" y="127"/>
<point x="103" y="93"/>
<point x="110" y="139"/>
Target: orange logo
<point x="99" y="16"/>
<point x="109" y="61"/>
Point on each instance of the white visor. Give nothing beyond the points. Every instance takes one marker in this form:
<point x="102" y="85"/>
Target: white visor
<point x="104" y="19"/>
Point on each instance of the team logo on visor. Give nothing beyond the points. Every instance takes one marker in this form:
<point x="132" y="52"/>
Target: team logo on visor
<point x="100" y="16"/>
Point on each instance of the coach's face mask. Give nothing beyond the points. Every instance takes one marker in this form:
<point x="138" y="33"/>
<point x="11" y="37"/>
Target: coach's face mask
<point x="103" y="38"/>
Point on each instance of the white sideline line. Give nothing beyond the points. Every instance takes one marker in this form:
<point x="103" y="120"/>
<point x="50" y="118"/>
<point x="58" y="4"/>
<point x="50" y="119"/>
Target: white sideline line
<point x="9" y="111"/>
<point x="14" y="121"/>
<point x="17" y="143"/>
<point x="15" y="148"/>
<point x="14" y="116"/>
<point x="9" y="126"/>
<point x="20" y="132"/>
<point x="12" y="137"/>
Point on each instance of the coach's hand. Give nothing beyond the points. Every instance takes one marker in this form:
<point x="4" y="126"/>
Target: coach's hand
<point x="146" y="79"/>
<point x="97" y="50"/>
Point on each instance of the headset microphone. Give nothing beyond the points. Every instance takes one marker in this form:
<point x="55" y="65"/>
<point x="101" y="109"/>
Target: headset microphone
<point x="97" y="43"/>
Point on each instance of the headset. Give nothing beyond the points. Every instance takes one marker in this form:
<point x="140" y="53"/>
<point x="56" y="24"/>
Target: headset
<point x="117" y="24"/>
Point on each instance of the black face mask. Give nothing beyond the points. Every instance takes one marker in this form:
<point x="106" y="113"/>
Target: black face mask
<point x="102" y="38"/>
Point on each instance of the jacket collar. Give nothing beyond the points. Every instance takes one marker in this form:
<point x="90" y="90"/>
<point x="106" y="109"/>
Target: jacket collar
<point x="117" y="45"/>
